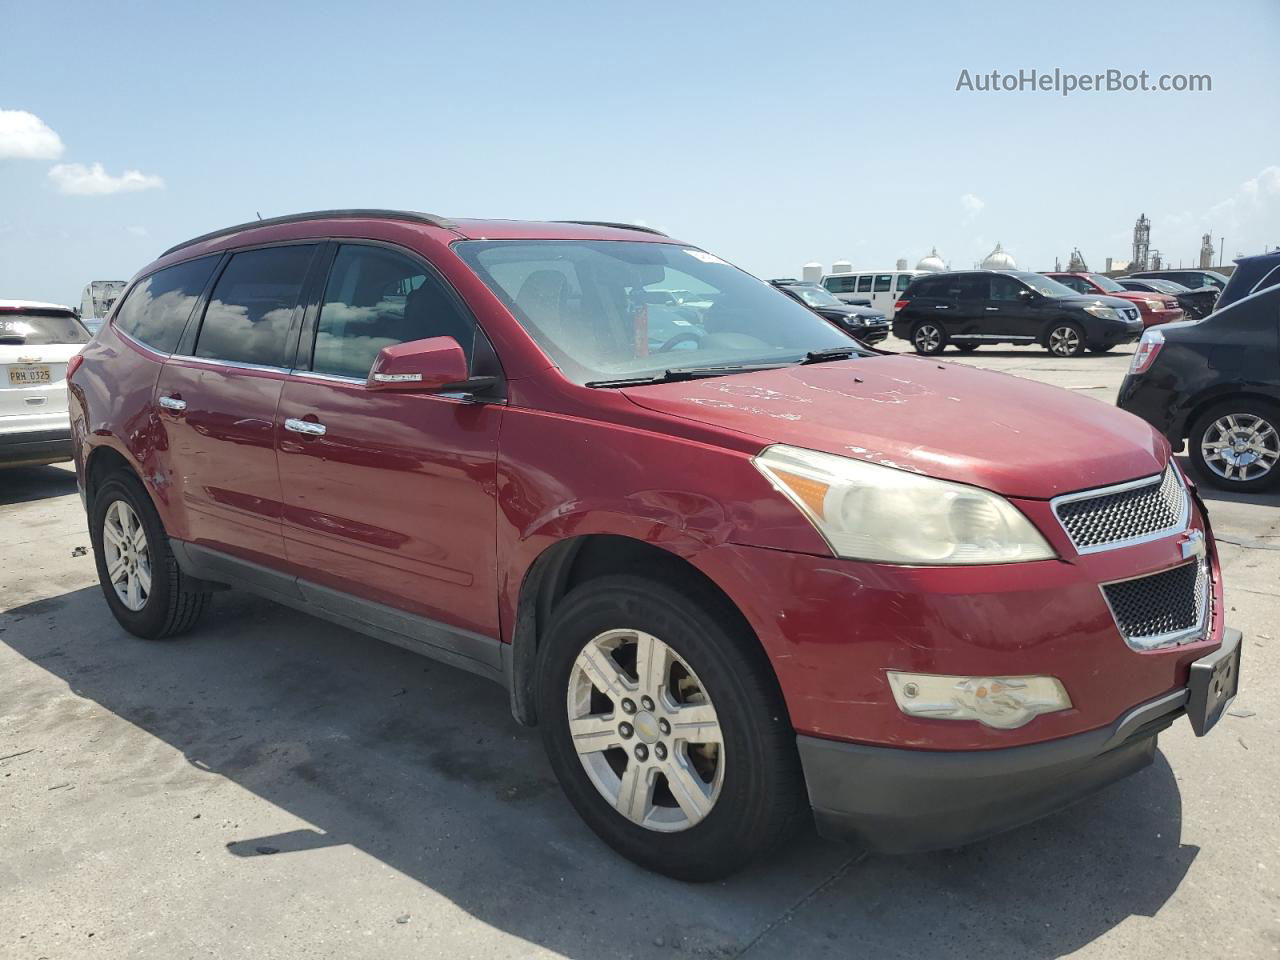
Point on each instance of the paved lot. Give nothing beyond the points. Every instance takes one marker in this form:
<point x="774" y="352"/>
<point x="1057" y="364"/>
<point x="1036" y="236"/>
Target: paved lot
<point x="278" y="787"/>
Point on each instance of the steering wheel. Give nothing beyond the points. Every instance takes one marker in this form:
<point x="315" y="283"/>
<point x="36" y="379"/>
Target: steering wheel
<point x="679" y="338"/>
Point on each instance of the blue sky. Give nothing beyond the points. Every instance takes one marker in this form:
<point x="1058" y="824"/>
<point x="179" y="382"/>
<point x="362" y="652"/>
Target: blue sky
<point x="772" y="134"/>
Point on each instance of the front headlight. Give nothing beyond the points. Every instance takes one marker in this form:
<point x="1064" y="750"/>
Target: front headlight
<point x="1104" y="313"/>
<point x="868" y="512"/>
<point x="1154" y="304"/>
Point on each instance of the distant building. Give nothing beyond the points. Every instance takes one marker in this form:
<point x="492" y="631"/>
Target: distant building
<point x="1206" y="252"/>
<point x="999" y="259"/>
<point x="932" y="263"/>
<point x="811" y="272"/>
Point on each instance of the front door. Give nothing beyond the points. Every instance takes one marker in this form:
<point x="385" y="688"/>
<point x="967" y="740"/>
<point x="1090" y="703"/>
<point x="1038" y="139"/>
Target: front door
<point x="388" y="497"/>
<point x="1007" y="311"/>
<point x="218" y="405"/>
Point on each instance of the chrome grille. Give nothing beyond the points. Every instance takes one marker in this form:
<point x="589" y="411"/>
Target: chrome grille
<point x="1161" y="609"/>
<point x="1115" y="516"/>
<point x="1130" y="313"/>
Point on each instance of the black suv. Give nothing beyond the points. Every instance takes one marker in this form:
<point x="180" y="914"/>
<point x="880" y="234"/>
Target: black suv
<point x="864" y="323"/>
<point x="976" y="307"/>
<point x="1215" y="383"/>
<point x="1251" y="275"/>
<point x="1192" y="279"/>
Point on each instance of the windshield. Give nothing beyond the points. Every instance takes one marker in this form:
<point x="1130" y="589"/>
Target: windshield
<point x="1106" y="283"/>
<point x="603" y="309"/>
<point x="38" y="329"/>
<point x="1042" y="284"/>
<point x="816" y="296"/>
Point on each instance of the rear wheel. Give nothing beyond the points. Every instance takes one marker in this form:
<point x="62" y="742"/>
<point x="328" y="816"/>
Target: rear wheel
<point x="666" y="729"/>
<point x="1236" y="445"/>
<point x="1065" y="340"/>
<point x="929" y="338"/>
<point x="146" y="591"/>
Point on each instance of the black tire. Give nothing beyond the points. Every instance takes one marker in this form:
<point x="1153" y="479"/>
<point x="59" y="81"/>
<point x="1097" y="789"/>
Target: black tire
<point x="1250" y="414"/>
<point x="761" y="796"/>
<point x="172" y="605"/>
<point x="928" y="338"/>
<point x="1102" y="348"/>
<point x="1065" y="338"/>
<point x="967" y="347"/>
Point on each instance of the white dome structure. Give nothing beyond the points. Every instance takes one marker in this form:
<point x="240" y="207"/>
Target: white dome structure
<point x="932" y="263"/>
<point x="999" y="259"/>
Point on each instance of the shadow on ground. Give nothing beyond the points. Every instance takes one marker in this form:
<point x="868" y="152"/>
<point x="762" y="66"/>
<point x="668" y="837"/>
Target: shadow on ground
<point x="24" y="484"/>
<point x="421" y="766"/>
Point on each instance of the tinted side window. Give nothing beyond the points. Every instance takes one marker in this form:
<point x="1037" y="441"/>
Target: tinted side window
<point x="1007" y="288"/>
<point x="864" y="284"/>
<point x="376" y="298"/>
<point x="904" y="281"/>
<point x="157" y="308"/>
<point x="926" y="287"/>
<point x="251" y="307"/>
<point x="971" y="287"/>
<point x="884" y="281"/>
<point x="1270" y="280"/>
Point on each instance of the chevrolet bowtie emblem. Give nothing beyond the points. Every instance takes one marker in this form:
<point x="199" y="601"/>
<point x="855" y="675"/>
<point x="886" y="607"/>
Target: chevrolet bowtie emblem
<point x="1193" y="544"/>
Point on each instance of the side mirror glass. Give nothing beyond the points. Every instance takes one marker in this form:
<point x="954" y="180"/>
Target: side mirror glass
<point x="435" y="365"/>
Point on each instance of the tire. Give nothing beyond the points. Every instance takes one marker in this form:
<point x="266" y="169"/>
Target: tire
<point x="751" y="787"/>
<point x="928" y="338"/>
<point x="1102" y="349"/>
<point x="166" y="603"/>
<point x="1256" y="422"/>
<point x="1065" y="339"/>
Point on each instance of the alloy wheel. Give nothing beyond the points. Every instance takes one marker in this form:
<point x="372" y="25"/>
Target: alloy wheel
<point x="127" y="555"/>
<point x="645" y="730"/>
<point x="1064" y="342"/>
<point x="928" y="338"/>
<point x="1240" y="447"/>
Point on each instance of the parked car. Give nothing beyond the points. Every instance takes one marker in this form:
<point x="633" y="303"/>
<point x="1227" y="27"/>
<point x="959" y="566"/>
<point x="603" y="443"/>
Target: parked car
<point x="1213" y="387"/>
<point x="1191" y="279"/>
<point x="1251" y="275"/>
<point x="880" y="290"/>
<point x="863" y="323"/>
<point x="771" y="573"/>
<point x="36" y="341"/>
<point x="1155" y="308"/>
<point x="975" y="307"/>
<point x="1195" y="303"/>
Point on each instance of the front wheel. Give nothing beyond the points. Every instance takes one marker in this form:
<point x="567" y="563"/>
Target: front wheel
<point x="1236" y="445"/>
<point x="666" y="728"/>
<point x="1065" y="340"/>
<point x="929" y="338"/>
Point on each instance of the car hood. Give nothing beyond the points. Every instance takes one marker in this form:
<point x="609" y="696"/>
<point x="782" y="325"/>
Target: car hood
<point x="992" y="430"/>
<point x="1091" y="299"/>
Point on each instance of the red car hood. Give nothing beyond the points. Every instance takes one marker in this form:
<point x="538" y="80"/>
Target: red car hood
<point x="992" y="430"/>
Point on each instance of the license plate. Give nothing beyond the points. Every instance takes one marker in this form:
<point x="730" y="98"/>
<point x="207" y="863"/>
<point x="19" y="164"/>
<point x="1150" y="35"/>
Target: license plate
<point x="1214" y="682"/>
<point x="29" y="376"/>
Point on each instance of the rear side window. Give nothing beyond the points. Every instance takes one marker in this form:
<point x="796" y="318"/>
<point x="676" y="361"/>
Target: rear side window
<point x="926" y="287"/>
<point x="841" y="284"/>
<point x="376" y="298"/>
<point x="157" y="308"/>
<point x="883" y="282"/>
<point x="1270" y="280"/>
<point x="251" y="308"/>
<point x="33" y="329"/>
<point x="904" y="281"/>
<point x="864" y="284"/>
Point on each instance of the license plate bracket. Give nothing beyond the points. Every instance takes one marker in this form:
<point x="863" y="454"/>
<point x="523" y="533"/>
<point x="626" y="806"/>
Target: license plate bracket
<point x="1214" y="681"/>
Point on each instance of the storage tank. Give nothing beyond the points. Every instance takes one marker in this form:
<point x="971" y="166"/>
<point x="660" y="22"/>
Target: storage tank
<point x="842" y="266"/>
<point x="811" y="272"/>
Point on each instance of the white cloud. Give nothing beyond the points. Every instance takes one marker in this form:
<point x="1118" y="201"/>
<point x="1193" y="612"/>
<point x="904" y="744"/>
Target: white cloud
<point x="24" y="135"/>
<point x="1247" y="219"/>
<point x="972" y="204"/>
<point x="78" y="179"/>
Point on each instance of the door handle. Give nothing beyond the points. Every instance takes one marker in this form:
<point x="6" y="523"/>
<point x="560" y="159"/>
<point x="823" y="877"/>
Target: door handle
<point x="941" y="306"/>
<point x="309" y="427"/>
<point x="993" y="309"/>
<point x="172" y="403"/>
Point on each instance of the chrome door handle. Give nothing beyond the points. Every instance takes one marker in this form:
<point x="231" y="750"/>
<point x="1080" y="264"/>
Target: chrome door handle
<point x="172" y="403"/>
<point x="941" y="306"/>
<point x="309" y="427"/>
<point x="993" y="309"/>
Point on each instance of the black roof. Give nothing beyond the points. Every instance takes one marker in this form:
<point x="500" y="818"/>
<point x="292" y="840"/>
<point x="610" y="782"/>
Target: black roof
<point x="355" y="214"/>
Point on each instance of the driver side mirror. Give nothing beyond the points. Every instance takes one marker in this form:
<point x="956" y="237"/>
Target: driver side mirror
<point x="434" y="365"/>
<point x="1027" y="295"/>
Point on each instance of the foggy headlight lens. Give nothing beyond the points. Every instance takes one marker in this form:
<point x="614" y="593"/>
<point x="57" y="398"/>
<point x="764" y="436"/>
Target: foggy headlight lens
<point x="1000" y="702"/>
<point x="1104" y="313"/>
<point x="868" y="512"/>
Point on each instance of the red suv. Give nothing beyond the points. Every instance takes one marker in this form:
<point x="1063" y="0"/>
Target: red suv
<point x="746" y="571"/>
<point x="1155" y="307"/>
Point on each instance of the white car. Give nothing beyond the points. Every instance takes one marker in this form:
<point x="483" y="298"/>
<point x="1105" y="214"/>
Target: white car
<point x="36" y="342"/>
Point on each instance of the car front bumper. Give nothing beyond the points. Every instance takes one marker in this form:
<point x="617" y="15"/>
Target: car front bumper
<point x="34" y="447"/>
<point x="902" y="801"/>
<point x="871" y="334"/>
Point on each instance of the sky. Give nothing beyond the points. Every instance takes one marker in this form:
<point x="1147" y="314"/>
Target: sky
<point x="771" y="134"/>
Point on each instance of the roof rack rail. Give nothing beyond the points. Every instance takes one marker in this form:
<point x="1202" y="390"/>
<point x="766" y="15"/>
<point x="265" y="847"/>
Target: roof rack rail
<point x="619" y="226"/>
<point x="355" y="214"/>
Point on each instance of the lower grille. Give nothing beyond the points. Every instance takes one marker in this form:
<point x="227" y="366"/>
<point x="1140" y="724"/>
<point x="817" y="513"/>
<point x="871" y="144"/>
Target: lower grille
<point x="1162" y="609"/>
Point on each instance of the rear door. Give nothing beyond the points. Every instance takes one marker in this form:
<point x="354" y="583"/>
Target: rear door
<point x="216" y="400"/>
<point x="35" y="345"/>
<point x="390" y="497"/>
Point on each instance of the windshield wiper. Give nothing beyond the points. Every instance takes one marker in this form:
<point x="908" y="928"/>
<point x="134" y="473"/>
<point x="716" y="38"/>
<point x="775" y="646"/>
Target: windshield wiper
<point x="676" y="374"/>
<point x="829" y="353"/>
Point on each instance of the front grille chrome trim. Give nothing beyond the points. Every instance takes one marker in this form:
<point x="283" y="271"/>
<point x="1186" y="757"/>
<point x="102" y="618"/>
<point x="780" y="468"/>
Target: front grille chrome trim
<point x="1171" y="638"/>
<point x="1179" y="526"/>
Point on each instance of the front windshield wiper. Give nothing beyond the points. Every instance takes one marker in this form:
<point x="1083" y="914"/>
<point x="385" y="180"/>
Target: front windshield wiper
<point x="829" y="353"/>
<point x="676" y="374"/>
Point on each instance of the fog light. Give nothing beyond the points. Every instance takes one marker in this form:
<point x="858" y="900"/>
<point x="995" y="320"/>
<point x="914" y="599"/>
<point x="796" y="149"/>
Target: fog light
<point x="1001" y="702"/>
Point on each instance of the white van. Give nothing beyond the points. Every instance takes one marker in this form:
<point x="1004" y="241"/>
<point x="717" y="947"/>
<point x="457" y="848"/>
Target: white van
<point x="883" y="289"/>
